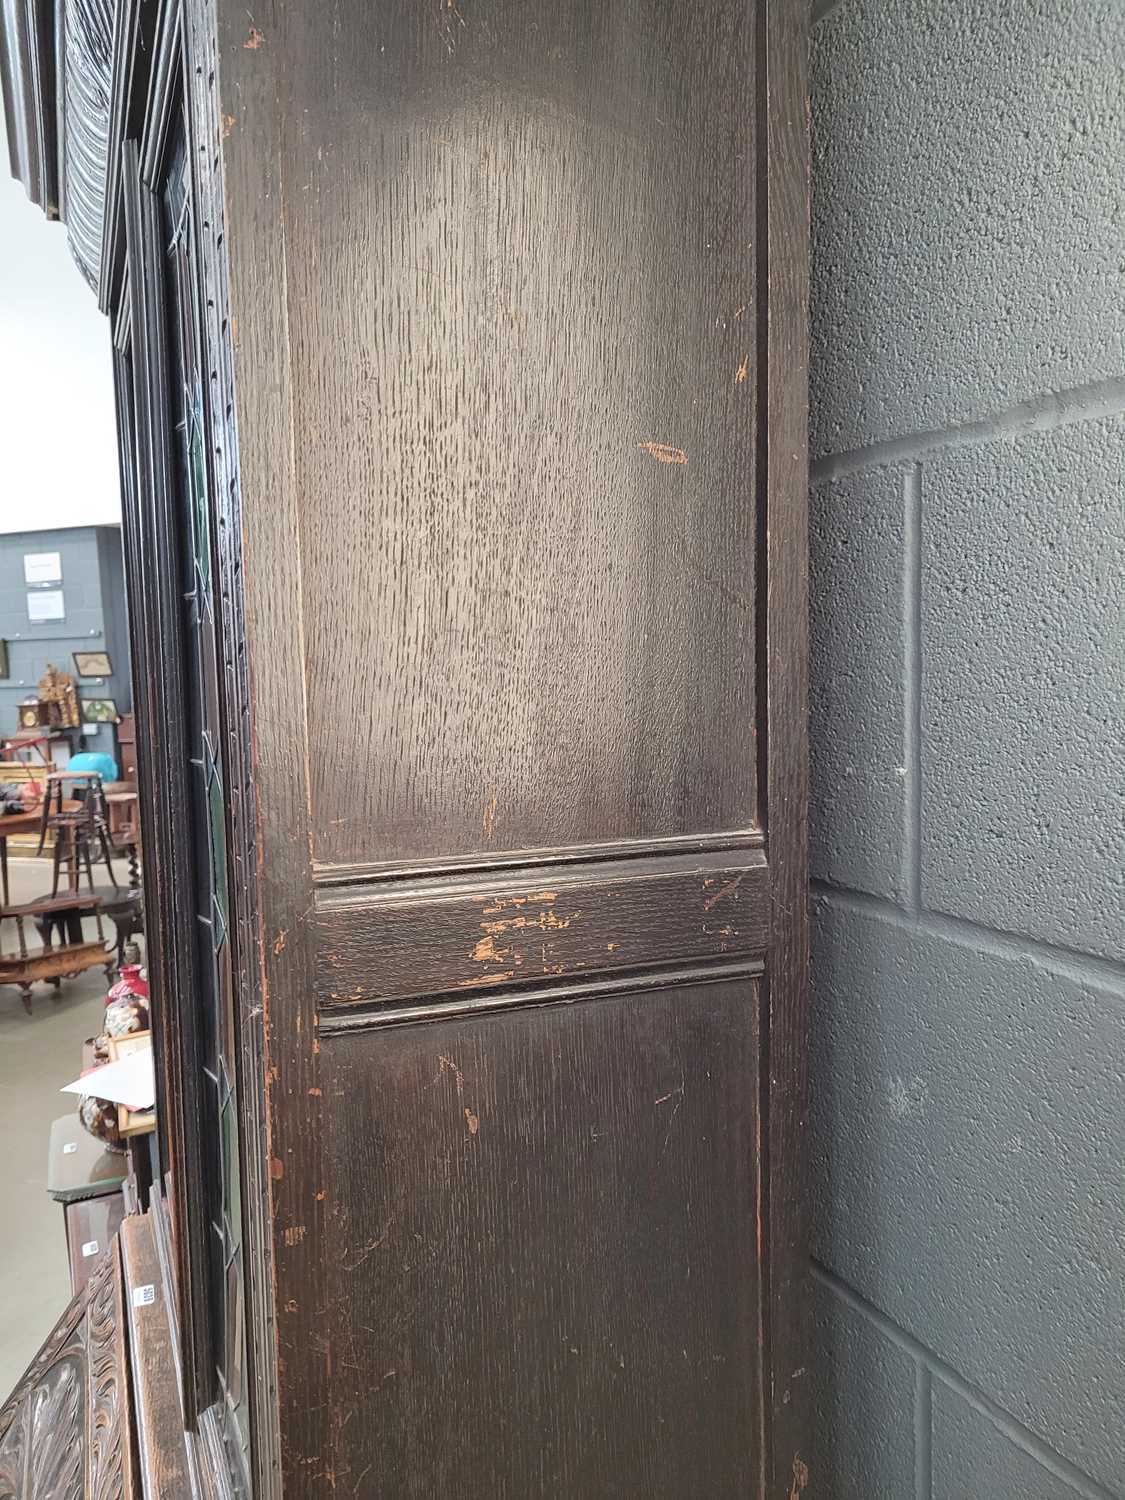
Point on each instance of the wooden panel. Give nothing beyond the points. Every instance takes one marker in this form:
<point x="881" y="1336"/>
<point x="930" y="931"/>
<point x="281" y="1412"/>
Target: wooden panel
<point x="784" y="106"/>
<point x="66" y="1429"/>
<point x="487" y="932"/>
<point x="496" y="269"/>
<point x="164" y="1460"/>
<point x="541" y="1274"/>
<point x="520" y="261"/>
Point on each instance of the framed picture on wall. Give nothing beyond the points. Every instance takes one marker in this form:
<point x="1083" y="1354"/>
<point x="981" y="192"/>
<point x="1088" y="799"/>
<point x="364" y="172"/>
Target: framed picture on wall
<point x="5" y="669"/>
<point x="92" y="664"/>
<point x="99" y="711"/>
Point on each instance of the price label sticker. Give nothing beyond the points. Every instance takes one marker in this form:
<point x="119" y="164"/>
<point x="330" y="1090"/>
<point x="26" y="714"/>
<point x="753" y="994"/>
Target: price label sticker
<point x="91" y="1247"/>
<point x="144" y="1296"/>
<point x="70" y="1148"/>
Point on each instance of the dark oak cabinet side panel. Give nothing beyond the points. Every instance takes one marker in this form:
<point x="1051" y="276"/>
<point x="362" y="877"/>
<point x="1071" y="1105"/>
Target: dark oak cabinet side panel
<point x="541" y="1274"/>
<point x="515" y="309"/>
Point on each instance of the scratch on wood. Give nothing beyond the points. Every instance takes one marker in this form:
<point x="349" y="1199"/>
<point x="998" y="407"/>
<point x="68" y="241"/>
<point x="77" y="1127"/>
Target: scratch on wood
<point x="489" y="818"/>
<point x="472" y="1121"/>
<point x="677" y="1094"/>
<point x="544" y="920"/>
<point x="664" y="453"/>
<point x="800" y="1476"/>
<point x="478" y="979"/>
<point x="294" y="1235"/>
<point x="228" y="126"/>
<point x="500" y="903"/>
<point x="447" y="1065"/>
<point x="722" y="893"/>
<point x="369" y="1249"/>
<point x="253" y="40"/>
<point x="279" y="941"/>
<point x="742" y="372"/>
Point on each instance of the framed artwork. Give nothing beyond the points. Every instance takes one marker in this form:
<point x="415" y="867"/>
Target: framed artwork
<point x="92" y="664"/>
<point x="5" y="670"/>
<point x="99" y="711"/>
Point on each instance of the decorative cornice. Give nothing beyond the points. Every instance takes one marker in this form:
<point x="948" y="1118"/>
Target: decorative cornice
<point x="55" y="71"/>
<point x="27" y="74"/>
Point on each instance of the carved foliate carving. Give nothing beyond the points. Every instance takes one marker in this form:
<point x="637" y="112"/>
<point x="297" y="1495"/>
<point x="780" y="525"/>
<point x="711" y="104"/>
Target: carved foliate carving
<point x="64" y="1431"/>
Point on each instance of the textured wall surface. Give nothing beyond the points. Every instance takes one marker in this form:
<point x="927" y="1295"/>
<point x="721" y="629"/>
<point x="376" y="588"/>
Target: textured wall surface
<point x="968" y="748"/>
<point x="96" y="620"/>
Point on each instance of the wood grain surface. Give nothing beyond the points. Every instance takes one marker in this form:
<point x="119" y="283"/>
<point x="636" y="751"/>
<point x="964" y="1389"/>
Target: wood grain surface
<point x="541" y="1272"/>
<point x="161" y="1440"/>
<point x="521" y="468"/>
<point x="520" y="269"/>
<point x="477" y="935"/>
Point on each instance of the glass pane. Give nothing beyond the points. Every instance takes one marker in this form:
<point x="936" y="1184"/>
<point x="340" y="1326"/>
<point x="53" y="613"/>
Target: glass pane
<point x="212" y="979"/>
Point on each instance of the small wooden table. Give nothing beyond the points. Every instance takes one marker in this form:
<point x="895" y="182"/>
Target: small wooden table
<point x="50" y="963"/>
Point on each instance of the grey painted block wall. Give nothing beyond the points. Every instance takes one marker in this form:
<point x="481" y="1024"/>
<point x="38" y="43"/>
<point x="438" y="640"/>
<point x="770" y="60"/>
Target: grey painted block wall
<point x="968" y="748"/>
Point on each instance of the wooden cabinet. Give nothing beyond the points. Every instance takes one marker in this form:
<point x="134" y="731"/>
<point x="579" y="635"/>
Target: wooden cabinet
<point x="460" y="356"/>
<point x="127" y="747"/>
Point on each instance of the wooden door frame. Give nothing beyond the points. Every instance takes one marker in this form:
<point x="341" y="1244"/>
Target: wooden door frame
<point x="783" y="417"/>
<point x="149" y="521"/>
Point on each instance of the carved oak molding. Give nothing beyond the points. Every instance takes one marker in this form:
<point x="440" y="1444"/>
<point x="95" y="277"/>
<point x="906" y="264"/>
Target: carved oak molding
<point x="65" y="1429"/>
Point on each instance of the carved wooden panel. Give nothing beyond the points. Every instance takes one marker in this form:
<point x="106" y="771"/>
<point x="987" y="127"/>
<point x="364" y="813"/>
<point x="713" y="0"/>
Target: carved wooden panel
<point x="65" y="1431"/>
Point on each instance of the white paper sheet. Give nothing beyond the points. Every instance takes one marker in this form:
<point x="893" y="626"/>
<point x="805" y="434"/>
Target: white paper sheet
<point x="128" y="1081"/>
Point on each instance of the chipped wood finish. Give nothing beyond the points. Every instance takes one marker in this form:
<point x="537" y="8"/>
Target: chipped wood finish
<point x="520" y="449"/>
<point x="444" y="936"/>
<point x="65" y="1432"/>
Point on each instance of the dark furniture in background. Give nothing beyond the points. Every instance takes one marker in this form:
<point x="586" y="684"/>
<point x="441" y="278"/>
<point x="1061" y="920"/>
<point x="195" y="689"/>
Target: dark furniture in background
<point x="460" y="359"/>
<point x="127" y="747"/>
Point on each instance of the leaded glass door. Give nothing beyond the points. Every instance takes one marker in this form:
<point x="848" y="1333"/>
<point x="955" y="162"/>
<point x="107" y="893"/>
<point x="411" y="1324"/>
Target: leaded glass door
<point x="196" y="761"/>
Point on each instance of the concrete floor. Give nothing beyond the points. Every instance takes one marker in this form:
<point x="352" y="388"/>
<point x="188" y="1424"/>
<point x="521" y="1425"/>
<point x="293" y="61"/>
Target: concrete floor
<point x="38" y="1054"/>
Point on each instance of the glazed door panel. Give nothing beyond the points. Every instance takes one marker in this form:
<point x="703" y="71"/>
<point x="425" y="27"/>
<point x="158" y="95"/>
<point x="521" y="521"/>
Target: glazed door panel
<point x="519" y="363"/>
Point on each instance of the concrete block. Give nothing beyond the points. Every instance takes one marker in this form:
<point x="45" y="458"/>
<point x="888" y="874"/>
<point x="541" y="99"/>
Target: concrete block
<point x="968" y="1134"/>
<point x="967" y="209"/>
<point x="857" y="758"/>
<point x="1023" y="699"/>
<point x="863" y="1427"/>
<point x="973" y="1457"/>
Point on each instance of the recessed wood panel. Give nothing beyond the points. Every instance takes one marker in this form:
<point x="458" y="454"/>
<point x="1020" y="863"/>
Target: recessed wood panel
<point x="541" y="1275"/>
<point x="520" y="258"/>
